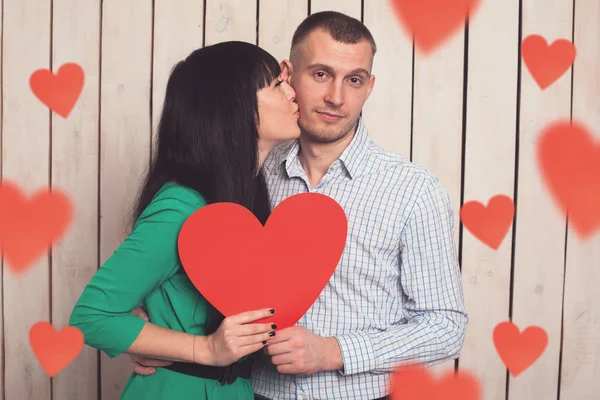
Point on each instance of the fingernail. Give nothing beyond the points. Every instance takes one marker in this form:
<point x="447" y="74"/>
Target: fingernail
<point x="272" y="311"/>
<point x="271" y="333"/>
<point x="273" y="326"/>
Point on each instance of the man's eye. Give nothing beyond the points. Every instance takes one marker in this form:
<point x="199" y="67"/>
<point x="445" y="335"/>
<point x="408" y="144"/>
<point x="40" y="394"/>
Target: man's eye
<point x="320" y="74"/>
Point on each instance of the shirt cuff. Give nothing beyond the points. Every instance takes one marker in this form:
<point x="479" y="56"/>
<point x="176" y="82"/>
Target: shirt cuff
<point x="358" y="353"/>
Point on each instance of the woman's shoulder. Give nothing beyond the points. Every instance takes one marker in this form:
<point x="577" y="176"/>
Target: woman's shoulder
<point x="179" y="193"/>
<point x="174" y="200"/>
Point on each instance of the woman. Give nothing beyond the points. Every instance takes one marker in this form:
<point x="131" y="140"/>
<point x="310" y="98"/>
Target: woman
<point x="226" y="107"/>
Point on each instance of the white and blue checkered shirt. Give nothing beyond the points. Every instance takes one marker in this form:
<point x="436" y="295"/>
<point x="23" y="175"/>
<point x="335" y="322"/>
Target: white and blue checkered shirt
<point x="396" y="295"/>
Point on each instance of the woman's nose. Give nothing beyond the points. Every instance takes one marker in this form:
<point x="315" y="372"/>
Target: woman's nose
<point x="291" y="92"/>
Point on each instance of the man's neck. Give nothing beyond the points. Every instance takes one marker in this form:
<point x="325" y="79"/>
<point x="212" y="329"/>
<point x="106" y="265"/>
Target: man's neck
<point x="316" y="158"/>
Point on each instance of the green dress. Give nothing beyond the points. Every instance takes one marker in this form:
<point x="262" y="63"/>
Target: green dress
<point x="146" y="268"/>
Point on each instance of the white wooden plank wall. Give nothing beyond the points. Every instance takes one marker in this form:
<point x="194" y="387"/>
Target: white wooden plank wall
<point x="2" y="364"/>
<point x="480" y="142"/>
<point x="25" y="160"/>
<point x="438" y="122"/>
<point x="387" y="113"/>
<point x="230" y="20"/>
<point x="125" y="131"/>
<point x="489" y="170"/>
<point x="277" y="21"/>
<point x="539" y="258"/>
<point x="178" y="30"/>
<point x="580" y="368"/>
<point x="76" y="38"/>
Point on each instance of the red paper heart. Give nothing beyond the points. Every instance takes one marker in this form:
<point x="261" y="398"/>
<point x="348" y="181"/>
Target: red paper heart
<point x="238" y="265"/>
<point x="570" y="164"/>
<point x="489" y="224"/>
<point x="547" y="63"/>
<point x="55" y="350"/>
<point x="432" y="22"/>
<point x="416" y="383"/>
<point x="28" y="227"/>
<point x="519" y="351"/>
<point x="59" y="92"/>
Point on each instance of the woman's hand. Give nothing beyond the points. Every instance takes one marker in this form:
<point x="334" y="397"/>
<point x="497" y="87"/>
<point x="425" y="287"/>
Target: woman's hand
<point x="237" y="337"/>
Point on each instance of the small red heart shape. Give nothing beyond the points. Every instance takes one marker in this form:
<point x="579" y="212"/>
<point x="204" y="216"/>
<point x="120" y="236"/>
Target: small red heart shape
<point x="547" y="63"/>
<point x="518" y="351"/>
<point x="432" y="22"/>
<point x="58" y="92"/>
<point x="55" y="350"/>
<point x="570" y="165"/>
<point x="238" y="265"/>
<point x="28" y="227"/>
<point x="489" y="224"/>
<point x="415" y="382"/>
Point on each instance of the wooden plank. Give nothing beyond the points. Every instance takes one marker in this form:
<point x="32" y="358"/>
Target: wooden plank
<point x="230" y="20"/>
<point x="580" y="373"/>
<point x="348" y="7"/>
<point x="437" y="116"/>
<point x="540" y="230"/>
<point x="178" y="30"/>
<point x="277" y="22"/>
<point x="2" y="387"/>
<point x="25" y="161"/>
<point x="489" y="170"/>
<point x="125" y="138"/>
<point x="76" y="38"/>
<point x="438" y="123"/>
<point x="387" y="112"/>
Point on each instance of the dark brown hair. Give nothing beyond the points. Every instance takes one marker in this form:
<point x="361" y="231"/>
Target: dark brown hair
<point x="341" y="27"/>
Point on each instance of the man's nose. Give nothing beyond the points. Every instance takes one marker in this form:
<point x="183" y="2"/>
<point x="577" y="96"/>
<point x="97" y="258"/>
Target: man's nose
<point x="335" y="94"/>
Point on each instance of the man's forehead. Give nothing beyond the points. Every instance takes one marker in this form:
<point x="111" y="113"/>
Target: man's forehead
<point x="320" y="48"/>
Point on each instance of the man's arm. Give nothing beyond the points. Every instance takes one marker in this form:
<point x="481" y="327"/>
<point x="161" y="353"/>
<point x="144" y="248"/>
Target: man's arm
<point x="434" y="312"/>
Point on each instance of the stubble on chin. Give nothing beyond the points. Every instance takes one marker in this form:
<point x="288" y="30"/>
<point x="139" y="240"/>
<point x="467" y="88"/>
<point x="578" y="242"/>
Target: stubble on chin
<point x="325" y="135"/>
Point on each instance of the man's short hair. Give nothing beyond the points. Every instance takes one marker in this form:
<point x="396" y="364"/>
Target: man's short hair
<point x="341" y="27"/>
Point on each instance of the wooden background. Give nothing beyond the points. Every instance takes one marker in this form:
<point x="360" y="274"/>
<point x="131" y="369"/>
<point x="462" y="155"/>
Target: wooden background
<point x="470" y="112"/>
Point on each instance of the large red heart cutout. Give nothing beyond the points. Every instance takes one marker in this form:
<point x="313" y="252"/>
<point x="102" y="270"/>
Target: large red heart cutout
<point x="238" y="265"/>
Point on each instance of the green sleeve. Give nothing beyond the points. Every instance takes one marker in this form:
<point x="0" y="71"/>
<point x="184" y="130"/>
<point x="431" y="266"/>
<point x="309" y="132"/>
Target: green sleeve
<point x="146" y="259"/>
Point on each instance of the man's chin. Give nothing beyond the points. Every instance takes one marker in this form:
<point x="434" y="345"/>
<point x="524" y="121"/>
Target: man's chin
<point x="320" y="136"/>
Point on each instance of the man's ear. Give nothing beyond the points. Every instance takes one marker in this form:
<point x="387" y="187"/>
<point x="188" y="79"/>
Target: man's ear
<point x="286" y="67"/>
<point x="371" y="85"/>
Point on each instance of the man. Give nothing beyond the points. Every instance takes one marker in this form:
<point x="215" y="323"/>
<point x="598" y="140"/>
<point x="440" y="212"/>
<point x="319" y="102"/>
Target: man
<point x="396" y="295"/>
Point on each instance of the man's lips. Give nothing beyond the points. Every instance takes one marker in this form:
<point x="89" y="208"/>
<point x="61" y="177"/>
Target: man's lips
<point x="329" y="114"/>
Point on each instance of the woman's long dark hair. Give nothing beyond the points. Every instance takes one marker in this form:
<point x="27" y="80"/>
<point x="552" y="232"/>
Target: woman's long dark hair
<point x="207" y="136"/>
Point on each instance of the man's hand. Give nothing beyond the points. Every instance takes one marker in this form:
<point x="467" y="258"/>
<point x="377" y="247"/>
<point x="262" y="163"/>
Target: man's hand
<point x="296" y="350"/>
<point x="146" y="366"/>
<point x="142" y="365"/>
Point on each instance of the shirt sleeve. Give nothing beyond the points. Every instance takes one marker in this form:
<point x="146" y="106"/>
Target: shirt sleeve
<point x="434" y="317"/>
<point x="146" y="259"/>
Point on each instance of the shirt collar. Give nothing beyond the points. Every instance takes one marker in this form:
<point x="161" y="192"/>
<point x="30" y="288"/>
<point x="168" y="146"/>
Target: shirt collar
<point x="353" y="158"/>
